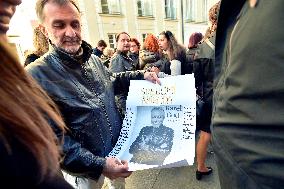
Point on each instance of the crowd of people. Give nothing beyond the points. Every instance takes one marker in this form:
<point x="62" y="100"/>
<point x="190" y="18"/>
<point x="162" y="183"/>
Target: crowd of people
<point x="64" y="110"/>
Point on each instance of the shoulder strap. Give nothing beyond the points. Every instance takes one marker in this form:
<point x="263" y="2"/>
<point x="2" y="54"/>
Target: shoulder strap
<point x="210" y="44"/>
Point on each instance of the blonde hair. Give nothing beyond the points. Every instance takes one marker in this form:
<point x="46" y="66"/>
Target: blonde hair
<point x="108" y="52"/>
<point x="40" y="42"/>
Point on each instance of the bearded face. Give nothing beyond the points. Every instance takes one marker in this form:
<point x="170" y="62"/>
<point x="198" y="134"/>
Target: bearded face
<point x="62" y="25"/>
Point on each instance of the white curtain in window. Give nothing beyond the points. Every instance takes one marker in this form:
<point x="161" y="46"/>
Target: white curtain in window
<point x="114" y="6"/>
<point x="191" y="10"/>
<point x="205" y="10"/>
<point x="146" y="6"/>
<point x="170" y="8"/>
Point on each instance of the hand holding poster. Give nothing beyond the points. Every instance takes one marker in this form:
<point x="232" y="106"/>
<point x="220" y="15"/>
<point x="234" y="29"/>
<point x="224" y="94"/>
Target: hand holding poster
<point x="159" y="126"/>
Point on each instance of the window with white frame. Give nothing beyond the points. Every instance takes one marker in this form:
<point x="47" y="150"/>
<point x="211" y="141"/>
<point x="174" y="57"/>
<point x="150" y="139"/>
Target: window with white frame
<point x="171" y="9"/>
<point x="191" y="10"/>
<point x="206" y="7"/>
<point x="144" y="7"/>
<point x="110" y="6"/>
<point x="111" y="40"/>
<point x="193" y="7"/>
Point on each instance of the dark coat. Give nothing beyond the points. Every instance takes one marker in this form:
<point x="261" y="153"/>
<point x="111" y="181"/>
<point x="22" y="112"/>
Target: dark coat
<point x="97" y="52"/>
<point x="248" y="112"/>
<point x="152" y="145"/>
<point x="84" y="91"/>
<point x="203" y="68"/>
<point x="192" y="52"/>
<point x="120" y="62"/>
<point x="135" y="59"/>
<point x="19" y="169"/>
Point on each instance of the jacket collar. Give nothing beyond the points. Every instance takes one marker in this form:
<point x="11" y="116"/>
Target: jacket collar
<point x="72" y="60"/>
<point x="124" y="55"/>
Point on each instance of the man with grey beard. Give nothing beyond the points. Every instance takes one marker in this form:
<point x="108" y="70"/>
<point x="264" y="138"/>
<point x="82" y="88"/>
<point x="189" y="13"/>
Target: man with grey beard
<point x="84" y="91"/>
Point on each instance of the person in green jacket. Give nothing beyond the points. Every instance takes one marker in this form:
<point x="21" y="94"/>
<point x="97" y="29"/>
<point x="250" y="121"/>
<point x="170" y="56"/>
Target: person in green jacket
<point x="248" y="101"/>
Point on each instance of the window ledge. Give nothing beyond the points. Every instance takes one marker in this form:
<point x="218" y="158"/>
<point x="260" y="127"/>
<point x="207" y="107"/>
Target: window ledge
<point x="171" y="19"/>
<point x="146" y="17"/>
<point x="111" y="14"/>
<point x="194" y="22"/>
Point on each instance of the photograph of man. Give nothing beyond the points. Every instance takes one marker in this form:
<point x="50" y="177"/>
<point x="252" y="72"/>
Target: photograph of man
<point x="154" y="142"/>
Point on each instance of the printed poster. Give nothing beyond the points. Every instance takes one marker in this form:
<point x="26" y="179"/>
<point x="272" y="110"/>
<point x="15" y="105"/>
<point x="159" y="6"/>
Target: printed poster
<point x="159" y="126"/>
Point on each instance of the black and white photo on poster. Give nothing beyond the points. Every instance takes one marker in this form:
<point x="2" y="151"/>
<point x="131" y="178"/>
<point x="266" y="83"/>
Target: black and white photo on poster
<point x="162" y="134"/>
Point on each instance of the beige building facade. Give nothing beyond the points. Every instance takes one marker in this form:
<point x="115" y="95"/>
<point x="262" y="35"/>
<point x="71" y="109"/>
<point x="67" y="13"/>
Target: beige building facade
<point x="103" y="19"/>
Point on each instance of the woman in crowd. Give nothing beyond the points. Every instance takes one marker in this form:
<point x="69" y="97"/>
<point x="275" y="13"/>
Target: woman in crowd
<point x="107" y="54"/>
<point x="176" y="53"/>
<point x="194" y="39"/>
<point x="29" y="152"/>
<point x="134" y="51"/>
<point x="40" y="43"/>
<point x="204" y="64"/>
<point x="151" y="55"/>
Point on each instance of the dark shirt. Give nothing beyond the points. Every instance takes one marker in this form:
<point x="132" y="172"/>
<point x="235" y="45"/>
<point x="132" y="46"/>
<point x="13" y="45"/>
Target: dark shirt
<point x="152" y="145"/>
<point x="19" y="169"/>
<point x="31" y="58"/>
<point x="97" y="52"/>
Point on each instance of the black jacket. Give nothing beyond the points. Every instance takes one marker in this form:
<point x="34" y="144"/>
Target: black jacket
<point x="84" y="91"/>
<point x="203" y="67"/>
<point x="153" y="145"/>
<point x="135" y="59"/>
<point x="97" y="52"/>
<point x="120" y="62"/>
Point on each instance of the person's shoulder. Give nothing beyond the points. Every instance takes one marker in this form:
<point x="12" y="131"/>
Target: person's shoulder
<point x="147" y="128"/>
<point x="95" y="58"/>
<point x="167" y="129"/>
<point x="31" y="58"/>
<point x="95" y="50"/>
<point x="39" y="66"/>
<point x="33" y="55"/>
<point x="115" y="57"/>
<point x="98" y="63"/>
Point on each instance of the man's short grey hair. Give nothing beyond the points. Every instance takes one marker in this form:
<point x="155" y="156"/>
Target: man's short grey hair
<point x="41" y="3"/>
<point x="158" y="109"/>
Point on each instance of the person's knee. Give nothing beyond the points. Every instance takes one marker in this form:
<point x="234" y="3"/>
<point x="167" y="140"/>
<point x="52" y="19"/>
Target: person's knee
<point x="205" y="137"/>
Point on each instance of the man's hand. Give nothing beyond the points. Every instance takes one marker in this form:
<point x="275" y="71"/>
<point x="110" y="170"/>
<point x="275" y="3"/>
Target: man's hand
<point x="152" y="76"/>
<point x="155" y="69"/>
<point x="115" y="168"/>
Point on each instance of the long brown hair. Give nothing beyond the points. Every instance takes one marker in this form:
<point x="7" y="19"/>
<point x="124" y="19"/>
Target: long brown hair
<point x="24" y="108"/>
<point x="176" y="50"/>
